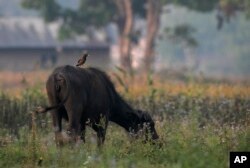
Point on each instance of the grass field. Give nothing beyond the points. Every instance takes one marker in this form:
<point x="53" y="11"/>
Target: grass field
<point x="198" y="124"/>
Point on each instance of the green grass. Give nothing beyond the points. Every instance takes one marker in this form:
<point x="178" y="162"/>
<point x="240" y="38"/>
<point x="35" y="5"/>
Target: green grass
<point x="195" y="131"/>
<point x="184" y="144"/>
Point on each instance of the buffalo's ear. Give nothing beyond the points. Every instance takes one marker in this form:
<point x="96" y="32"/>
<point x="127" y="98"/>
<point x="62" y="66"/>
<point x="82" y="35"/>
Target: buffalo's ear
<point x="139" y="114"/>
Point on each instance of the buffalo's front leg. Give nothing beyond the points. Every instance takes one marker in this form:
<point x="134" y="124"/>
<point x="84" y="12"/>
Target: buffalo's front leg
<point x="101" y="132"/>
<point x="82" y="133"/>
<point x="100" y="128"/>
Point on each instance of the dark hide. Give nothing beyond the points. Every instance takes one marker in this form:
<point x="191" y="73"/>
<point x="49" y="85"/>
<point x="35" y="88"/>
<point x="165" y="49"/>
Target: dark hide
<point x="86" y="96"/>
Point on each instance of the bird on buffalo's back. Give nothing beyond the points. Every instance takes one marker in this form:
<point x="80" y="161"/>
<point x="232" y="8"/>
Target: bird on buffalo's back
<point x="82" y="60"/>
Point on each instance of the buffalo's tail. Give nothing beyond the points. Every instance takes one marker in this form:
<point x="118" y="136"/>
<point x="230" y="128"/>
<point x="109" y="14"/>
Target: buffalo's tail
<point x="57" y="77"/>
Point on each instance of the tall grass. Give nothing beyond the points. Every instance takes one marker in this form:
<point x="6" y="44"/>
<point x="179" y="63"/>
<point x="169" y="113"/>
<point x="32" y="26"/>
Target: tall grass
<point x="15" y="112"/>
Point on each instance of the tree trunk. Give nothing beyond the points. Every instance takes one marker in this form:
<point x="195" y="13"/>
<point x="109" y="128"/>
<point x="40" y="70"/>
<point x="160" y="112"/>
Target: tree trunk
<point x="153" y="21"/>
<point x="125" y="25"/>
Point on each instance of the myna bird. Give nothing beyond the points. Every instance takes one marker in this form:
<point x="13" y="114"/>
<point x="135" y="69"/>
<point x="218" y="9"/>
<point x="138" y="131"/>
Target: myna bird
<point x="82" y="60"/>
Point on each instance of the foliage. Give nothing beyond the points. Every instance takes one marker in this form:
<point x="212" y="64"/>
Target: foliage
<point x="182" y="34"/>
<point x="201" y="5"/>
<point x="75" y="21"/>
<point x="50" y="9"/>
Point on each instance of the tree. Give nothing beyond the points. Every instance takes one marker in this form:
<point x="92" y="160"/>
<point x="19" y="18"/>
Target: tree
<point x="153" y="9"/>
<point x="125" y="25"/>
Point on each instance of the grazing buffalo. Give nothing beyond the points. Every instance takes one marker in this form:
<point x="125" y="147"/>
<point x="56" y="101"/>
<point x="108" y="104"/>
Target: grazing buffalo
<point x="86" y="96"/>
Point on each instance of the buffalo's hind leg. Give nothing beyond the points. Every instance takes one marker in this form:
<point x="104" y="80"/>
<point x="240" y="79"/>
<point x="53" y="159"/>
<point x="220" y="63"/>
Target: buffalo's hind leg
<point x="73" y="129"/>
<point x="57" y="124"/>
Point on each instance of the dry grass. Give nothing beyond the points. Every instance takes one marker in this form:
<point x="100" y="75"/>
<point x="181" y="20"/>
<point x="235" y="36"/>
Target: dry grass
<point x="14" y="83"/>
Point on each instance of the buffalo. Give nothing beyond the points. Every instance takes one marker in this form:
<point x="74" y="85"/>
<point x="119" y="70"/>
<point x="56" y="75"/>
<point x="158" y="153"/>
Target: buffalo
<point x="86" y="96"/>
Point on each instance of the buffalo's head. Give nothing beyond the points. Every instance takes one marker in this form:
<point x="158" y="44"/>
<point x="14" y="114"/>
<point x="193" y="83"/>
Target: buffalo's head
<point x="146" y="125"/>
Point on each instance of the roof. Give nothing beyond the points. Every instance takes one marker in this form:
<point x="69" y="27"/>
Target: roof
<point x="24" y="32"/>
<point x="33" y="32"/>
